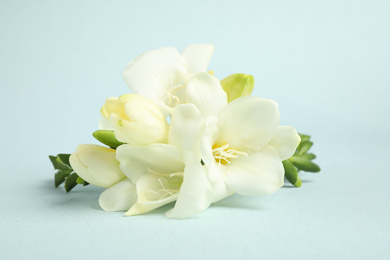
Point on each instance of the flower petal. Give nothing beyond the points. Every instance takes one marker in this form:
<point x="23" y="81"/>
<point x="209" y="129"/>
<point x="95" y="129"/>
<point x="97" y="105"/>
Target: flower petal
<point x="205" y="91"/>
<point x="198" y="56"/>
<point x="187" y="126"/>
<point x="119" y="197"/>
<point x="195" y="192"/>
<point x="260" y="173"/>
<point x="248" y="122"/>
<point x="138" y="160"/>
<point x="104" y="124"/>
<point x="285" y="141"/>
<point x="151" y="194"/>
<point x="217" y="176"/>
<point x="153" y="73"/>
<point x="96" y="164"/>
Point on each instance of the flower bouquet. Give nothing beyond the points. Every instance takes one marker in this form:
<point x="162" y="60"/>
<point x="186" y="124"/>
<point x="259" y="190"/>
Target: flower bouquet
<point x="184" y="136"/>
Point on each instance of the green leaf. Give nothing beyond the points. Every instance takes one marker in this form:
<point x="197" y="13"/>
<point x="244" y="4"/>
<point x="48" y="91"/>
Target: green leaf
<point x="71" y="182"/>
<point x="60" y="177"/>
<point x="64" y="159"/>
<point x="304" y="164"/>
<point x="107" y="137"/>
<point x="304" y="147"/>
<point x="58" y="164"/>
<point x="308" y="156"/>
<point x="64" y="173"/>
<point x="291" y="173"/>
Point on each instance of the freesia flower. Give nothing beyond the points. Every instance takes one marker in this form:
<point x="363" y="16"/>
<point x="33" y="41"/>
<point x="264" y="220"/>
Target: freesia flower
<point x="167" y="172"/>
<point x="161" y="74"/>
<point x="98" y="165"/>
<point x="244" y="146"/>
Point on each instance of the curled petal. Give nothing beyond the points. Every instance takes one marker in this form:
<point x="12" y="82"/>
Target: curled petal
<point x="217" y="177"/>
<point x="195" y="192"/>
<point x="260" y="173"/>
<point x="96" y="164"/>
<point x="119" y="197"/>
<point x="153" y="192"/>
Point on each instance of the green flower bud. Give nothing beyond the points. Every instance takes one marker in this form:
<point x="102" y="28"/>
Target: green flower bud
<point x="238" y="85"/>
<point x="107" y="137"/>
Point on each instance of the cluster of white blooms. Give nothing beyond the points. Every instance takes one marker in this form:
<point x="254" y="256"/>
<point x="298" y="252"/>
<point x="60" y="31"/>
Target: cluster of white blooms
<point x="184" y="137"/>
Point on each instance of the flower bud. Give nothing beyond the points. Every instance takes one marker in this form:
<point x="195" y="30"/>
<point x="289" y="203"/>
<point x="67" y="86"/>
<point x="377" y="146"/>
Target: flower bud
<point x="238" y="85"/>
<point x="96" y="164"/>
<point x="136" y="120"/>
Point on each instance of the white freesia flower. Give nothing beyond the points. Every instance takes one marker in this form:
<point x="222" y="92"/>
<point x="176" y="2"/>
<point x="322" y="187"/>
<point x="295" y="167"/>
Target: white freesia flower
<point x="162" y="74"/>
<point x="98" y="165"/>
<point x="135" y="120"/>
<point x="244" y="145"/>
<point x="164" y="173"/>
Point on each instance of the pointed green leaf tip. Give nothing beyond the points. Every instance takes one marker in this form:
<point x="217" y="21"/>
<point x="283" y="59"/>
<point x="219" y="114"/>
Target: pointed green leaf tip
<point x="238" y="85"/>
<point x="107" y="137"/>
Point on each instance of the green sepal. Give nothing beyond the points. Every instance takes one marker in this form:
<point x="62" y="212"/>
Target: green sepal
<point x="107" y="137"/>
<point x="304" y="164"/>
<point x="71" y="182"/>
<point x="291" y="173"/>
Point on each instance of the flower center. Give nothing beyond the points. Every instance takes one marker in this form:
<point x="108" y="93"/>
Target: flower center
<point x="172" y="98"/>
<point x="223" y="154"/>
<point x="169" y="184"/>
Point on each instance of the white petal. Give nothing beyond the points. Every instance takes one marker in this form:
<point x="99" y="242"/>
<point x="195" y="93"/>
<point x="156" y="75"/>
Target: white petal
<point x="119" y="197"/>
<point x="285" y="141"/>
<point x="104" y="124"/>
<point x="138" y="160"/>
<point x="154" y="72"/>
<point x="248" y="122"/>
<point x="195" y="193"/>
<point x="187" y="126"/>
<point x="207" y="141"/>
<point x="151" y="195"/>
<point x="198" y="56"/>
<point x="96" y="164"/>
<point x="217" y="176"/>
<point x="205" y="91"/>
<point x="260" y="173"/>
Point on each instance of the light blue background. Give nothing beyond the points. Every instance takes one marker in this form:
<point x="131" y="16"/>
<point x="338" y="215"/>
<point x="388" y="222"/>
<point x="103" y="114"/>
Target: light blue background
<point x="327" y="64"/>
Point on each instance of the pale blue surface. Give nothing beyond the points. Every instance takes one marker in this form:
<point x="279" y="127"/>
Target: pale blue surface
<point x="327" y="63"/>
